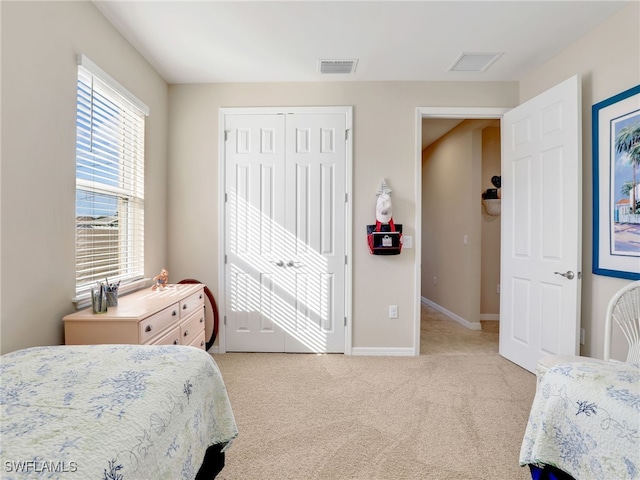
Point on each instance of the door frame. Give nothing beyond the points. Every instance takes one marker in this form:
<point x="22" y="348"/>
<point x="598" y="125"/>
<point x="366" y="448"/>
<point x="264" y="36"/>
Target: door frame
<point x="436" y="112"/>
<point x="222" y="112"/>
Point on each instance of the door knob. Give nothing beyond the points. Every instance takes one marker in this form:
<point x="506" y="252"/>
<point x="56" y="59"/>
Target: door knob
<point x="291" y="263"/>
<point x="569" y="275"/>
<point x="278" y="263"/>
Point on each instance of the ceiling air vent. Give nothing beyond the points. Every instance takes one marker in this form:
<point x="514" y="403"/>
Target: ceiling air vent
<point x="473" y="62"/>
<point x="337" y="66"/>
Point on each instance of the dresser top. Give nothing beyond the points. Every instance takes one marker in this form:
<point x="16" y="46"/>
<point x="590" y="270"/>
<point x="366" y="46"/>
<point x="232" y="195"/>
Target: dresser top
<point x="140" y="304"/>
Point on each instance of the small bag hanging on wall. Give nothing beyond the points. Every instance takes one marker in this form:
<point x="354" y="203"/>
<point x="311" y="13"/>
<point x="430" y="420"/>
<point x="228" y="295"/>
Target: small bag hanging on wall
<point x="385" y="239"/>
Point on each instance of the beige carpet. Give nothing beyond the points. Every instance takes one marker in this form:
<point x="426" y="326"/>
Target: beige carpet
<point x="458" y="411"/>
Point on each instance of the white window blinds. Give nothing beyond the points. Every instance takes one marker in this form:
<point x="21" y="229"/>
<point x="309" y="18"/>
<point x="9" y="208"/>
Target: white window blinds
<point x="109" y="180"/>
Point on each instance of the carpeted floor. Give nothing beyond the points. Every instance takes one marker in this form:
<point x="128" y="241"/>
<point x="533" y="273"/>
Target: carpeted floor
<point x="458" y="411"/>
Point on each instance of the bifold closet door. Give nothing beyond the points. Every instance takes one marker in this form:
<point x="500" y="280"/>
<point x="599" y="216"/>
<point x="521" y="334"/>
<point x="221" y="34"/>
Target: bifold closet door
<point x="284" y="236"/>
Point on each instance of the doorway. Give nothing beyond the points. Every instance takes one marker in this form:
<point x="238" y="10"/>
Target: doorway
<point x="459" y="276"/>
<point x="541" y="234"/>
<point x="460" y="236"/>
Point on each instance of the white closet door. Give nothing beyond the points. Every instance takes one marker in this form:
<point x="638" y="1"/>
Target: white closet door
<point x="285" y="232"/>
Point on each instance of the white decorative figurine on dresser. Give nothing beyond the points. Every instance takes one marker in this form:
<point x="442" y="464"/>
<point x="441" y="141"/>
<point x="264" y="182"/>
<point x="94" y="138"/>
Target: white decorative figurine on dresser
<point x="173" y="315"/>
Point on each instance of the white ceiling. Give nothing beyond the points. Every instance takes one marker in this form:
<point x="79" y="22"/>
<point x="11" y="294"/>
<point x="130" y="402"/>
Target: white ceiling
<point x="282" y="41"/>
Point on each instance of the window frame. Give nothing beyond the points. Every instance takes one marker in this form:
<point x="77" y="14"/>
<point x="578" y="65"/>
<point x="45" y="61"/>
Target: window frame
<point x="110" y="131"/>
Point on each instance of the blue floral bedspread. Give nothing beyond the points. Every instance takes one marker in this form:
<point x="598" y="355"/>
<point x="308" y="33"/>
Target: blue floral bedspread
<point x="110" y="412"/>
<point x="585" y="420"/>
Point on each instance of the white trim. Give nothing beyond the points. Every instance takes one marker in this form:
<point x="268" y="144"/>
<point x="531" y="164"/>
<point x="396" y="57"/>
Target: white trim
<point x="348" y="112"/>
<point x="460" y="112"/>
<point x="221" y="225"/>
<point x="348" y="219"/>
<point x="462" y="321"/>
<point x="436" y="112"/>
<point x="382" y="352"/>
<point x="84" y="61"/>
<point x="417" y="237"/>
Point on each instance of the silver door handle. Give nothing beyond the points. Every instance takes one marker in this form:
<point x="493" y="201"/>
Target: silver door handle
<point x="291" y="263"/>
<point x="569" y="275"/>
<point x="278" y="263"/>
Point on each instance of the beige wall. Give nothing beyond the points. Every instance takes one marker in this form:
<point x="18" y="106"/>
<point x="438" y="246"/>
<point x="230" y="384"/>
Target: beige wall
<point x="384" y="147"/>
<point x="608" y="60"/>
<point x="490" y="240"/>
<point x="39" y="43"/>
<point x="453" y="178"/>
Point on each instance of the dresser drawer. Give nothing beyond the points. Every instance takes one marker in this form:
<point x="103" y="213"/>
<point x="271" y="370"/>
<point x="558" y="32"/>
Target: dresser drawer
<point x="191" y="303"/>
<point x="192" y="327"/>
<point x="199" y="342"/>
<point x="155" y="324"/>
<point x="171" y="338"/>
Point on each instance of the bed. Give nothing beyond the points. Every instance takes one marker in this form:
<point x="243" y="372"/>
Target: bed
<point x="113" y="412"/>
<point x="585" y="423"/>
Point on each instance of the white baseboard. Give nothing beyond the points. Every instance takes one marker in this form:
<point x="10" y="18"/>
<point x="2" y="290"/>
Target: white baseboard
<point x="464" y="322"/>
<point x="363" y="351"/>
<point x="383" y="352"/>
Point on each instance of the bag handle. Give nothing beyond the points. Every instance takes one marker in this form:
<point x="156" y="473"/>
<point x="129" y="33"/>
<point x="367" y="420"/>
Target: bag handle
<point x="391" y="225"/>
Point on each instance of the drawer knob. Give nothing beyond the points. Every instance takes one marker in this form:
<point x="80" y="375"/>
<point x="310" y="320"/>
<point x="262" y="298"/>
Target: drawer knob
<point x="184" y="307"/>
<point x="200" y="297"/>
<point x="201" y="319"/>
<point x="202" y="343"/>
<point x="148" y="329"/>
<point x="186" y="333"/>
<point x="175" y="342"/>
<point x="174" y="313"/>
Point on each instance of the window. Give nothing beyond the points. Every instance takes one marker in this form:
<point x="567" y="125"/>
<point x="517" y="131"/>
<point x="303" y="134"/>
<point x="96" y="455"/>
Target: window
<point x="109" y="180"/>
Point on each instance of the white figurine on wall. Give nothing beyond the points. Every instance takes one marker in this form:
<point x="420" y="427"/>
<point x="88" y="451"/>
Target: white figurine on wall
<point x="384" y="208"/>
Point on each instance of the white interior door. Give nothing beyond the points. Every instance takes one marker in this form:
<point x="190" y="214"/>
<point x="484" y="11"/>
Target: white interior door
<point x="285" y="245"/>
<point x="541" y="226"/>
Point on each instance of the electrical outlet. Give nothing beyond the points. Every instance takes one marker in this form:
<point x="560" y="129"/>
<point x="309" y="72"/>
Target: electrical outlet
<point x="407" y="241"/>
<point x="435" y="280"/>
<point x="393" y="311"/>
<point x="582" y="336"/>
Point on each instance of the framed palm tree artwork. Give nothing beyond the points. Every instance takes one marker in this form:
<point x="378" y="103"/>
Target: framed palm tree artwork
<point x="616" y="185"/>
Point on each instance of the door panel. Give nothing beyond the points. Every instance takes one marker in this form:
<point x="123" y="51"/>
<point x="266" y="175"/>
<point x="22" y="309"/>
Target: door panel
<point x="254" y="153"/>
<point x="315" y="212"/>
<point x="541" y="226"/>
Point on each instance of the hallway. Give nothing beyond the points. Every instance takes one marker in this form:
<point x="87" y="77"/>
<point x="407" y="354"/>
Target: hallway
<point x="440" y="335"/>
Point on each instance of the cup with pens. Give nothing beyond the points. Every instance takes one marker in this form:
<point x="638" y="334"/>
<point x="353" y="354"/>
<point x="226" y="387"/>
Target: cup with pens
<point x="111" y="290"/>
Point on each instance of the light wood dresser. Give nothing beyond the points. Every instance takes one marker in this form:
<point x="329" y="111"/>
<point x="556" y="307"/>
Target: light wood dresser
<point x="173" y="315"/>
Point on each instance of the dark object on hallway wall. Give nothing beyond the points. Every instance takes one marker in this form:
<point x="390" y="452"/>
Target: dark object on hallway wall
<point x="491" y="193"/>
